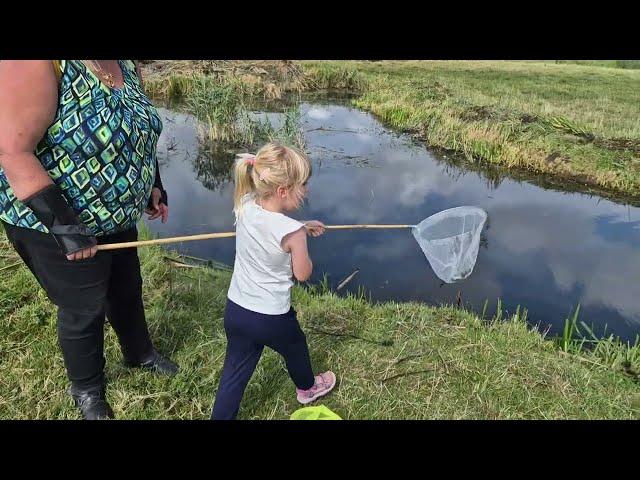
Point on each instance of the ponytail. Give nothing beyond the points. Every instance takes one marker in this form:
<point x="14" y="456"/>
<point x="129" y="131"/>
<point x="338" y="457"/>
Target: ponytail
<point x="244" y="182"/>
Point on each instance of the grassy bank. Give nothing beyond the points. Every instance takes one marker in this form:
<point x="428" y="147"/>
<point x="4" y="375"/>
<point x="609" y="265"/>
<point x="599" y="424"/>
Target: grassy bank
<point x="393" y="361"/>
<point x="574" y="123"/>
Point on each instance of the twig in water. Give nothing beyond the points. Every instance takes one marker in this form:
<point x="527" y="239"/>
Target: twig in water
<point x="324" y="129"/>
<point x="347" y="280"/>
<point x="172" y="145"/>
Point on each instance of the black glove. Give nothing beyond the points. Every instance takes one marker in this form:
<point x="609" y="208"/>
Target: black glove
<point x="51" y="208"/>
<point x="163" y="197"/>
<point x="157" y="183"/>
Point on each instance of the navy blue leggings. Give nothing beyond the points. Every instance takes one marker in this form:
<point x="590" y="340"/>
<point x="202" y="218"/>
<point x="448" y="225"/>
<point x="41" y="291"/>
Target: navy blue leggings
<point x="247" y="334"/>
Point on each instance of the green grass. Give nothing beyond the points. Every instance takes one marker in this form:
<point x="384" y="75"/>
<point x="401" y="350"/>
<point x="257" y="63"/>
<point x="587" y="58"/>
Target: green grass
<point x="629" y="64"/>
<point x="576" y="122"/>
<point x="325" y="76"/>
<point x="392" y="360"/>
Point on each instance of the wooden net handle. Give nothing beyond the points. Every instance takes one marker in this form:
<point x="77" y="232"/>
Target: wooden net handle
<point x="208" y="236"/>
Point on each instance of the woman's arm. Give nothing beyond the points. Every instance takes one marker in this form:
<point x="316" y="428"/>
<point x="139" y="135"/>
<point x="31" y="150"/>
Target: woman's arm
<point x="28" y="103"/>
<point x="159" y="200"/>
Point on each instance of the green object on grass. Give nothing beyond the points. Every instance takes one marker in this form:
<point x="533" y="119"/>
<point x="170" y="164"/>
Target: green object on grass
<point x="314" y="413"/>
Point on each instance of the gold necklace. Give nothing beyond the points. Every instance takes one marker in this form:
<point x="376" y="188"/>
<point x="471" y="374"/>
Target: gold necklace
<point x="105" y="76"/>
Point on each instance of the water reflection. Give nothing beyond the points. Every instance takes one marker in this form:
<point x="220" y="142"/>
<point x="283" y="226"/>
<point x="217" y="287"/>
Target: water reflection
<point x="544" y="249"/>
<point x="214" y="165"/>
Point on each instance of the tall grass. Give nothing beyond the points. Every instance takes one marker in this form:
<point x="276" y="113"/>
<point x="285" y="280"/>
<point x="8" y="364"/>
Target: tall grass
<point x="221" y="105"/>
<point x="322" y="76"/>
<point x="567" y="341"/>
<point x="261" y="130"/>
<point x="579" y="340"/>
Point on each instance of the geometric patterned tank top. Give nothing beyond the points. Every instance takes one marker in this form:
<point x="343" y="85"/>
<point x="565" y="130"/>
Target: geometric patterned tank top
<point x="100" y="150"/>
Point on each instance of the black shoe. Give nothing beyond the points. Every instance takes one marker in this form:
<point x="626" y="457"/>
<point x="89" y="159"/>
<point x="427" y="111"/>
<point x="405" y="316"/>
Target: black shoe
<point x="92" y="403"/>
<point x="158" y="364"/>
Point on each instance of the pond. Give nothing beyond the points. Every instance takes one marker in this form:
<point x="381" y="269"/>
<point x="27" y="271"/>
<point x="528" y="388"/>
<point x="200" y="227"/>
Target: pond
<point x="542" y="249"/>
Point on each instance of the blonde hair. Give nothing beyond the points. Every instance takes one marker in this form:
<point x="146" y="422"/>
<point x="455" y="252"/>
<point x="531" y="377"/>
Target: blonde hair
<point x="275" y="165"/>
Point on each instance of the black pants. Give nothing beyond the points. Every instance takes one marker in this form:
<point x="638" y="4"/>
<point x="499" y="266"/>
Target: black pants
<point x="247" y="334"/>
<point x="84" y="291"/>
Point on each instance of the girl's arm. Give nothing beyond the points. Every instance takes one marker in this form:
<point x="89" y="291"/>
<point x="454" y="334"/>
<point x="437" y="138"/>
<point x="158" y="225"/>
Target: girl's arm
<point x="296" y="243"/>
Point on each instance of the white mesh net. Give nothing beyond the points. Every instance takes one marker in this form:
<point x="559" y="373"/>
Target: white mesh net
<point x="450" y="240"/>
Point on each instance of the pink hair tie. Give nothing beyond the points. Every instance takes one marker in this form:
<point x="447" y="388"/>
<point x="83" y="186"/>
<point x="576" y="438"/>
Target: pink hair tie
<point x="248" y="157"/>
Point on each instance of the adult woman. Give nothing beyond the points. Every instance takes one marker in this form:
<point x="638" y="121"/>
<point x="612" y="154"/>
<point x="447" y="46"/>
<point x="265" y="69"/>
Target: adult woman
<point x="78" y="168"/>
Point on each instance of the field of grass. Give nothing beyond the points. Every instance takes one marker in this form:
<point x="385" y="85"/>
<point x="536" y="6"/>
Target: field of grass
<point x="392" y="360"/>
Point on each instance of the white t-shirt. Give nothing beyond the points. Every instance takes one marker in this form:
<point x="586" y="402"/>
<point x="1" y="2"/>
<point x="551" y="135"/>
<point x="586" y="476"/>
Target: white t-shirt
<point x="262" y="273"/>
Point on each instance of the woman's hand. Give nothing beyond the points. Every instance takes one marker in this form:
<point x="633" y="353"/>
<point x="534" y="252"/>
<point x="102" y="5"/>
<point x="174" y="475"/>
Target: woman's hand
<point x="83" y="254"/>
<point x="314" y="228"/>
<point x="158" y="209"/>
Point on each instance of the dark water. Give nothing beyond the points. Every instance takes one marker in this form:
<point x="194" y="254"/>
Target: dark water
<point x="542" y="249"/>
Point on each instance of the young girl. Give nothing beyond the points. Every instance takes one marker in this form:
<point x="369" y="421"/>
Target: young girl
<point x="270" y="247"/>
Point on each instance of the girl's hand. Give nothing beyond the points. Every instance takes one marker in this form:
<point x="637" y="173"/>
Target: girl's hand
<point x="296" y="244"/>
<point x="314" y="228"/>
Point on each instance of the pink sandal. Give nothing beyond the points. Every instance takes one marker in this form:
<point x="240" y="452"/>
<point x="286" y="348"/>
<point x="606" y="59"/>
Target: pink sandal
<point x="324" y="384"/>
